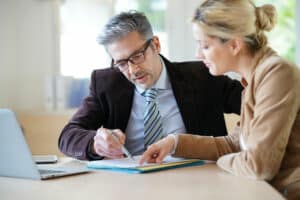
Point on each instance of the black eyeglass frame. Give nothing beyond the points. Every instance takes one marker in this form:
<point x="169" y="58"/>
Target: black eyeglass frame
<point x="123" y="66"/>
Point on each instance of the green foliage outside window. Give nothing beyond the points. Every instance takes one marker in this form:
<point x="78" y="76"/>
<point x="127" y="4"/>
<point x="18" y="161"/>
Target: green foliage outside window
<point x="155" y="11"/>
<point x="283" y="37"/>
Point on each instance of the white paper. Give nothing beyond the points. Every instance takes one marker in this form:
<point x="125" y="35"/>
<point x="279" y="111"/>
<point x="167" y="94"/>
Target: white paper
<point x="129" y="163"/>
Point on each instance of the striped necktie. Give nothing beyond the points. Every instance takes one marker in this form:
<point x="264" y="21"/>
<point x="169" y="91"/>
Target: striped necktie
<point x="152" y="118"/>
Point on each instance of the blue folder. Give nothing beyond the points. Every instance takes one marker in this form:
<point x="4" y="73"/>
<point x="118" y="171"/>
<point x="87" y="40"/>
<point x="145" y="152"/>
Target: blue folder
<point x="145" y="169"/>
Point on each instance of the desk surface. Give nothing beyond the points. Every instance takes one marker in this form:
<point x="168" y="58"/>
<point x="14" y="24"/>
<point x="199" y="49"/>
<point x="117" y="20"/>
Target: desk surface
<point x="200" y="182"/>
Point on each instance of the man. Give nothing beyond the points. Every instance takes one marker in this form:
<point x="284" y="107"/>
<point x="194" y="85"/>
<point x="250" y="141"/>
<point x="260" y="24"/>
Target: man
<point x="144" y="97"/>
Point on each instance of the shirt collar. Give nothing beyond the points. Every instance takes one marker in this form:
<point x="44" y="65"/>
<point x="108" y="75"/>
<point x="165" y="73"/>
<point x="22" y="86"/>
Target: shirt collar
<point x="163" y="82"/>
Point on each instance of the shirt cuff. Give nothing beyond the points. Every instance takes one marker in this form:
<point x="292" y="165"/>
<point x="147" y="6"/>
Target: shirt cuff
<point x="175" y="137"/>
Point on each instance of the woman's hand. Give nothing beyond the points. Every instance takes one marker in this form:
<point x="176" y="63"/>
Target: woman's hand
<point x="158" y="151"/>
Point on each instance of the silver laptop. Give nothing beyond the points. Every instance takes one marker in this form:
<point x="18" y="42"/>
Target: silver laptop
<point x="15" y="155"/>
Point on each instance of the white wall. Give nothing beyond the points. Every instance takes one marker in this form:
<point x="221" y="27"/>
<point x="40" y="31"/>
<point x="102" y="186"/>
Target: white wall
<point x="28" y="52"/>
<point x="181" y="42"/>
<point x="7" y="51"/>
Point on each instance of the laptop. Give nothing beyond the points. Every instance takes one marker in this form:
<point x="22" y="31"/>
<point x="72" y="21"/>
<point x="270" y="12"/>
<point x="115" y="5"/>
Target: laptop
<point x="16" y="157"/>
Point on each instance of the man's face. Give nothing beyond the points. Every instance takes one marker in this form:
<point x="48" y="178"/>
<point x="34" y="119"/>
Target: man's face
<point x="137" y="59"/>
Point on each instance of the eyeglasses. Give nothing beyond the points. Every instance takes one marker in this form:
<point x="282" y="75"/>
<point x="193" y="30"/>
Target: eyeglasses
<point x="136" y="58"/>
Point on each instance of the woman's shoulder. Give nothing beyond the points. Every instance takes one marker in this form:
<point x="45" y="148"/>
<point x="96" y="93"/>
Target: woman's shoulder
<point x="272" y="66"/>
<point x="276" y="77"/>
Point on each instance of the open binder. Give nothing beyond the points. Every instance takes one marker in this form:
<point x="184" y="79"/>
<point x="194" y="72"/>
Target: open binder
<point x="127" y="165"/>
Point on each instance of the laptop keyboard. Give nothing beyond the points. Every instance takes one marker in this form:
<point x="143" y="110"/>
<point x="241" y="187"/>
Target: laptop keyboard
<point x="48" y="171"/>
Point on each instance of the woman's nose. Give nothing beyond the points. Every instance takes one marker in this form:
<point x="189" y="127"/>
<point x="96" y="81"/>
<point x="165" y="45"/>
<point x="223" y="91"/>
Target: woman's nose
<point x="199" y="54"/>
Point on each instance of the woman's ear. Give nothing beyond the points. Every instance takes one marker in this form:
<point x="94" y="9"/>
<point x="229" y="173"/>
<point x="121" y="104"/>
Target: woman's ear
<point x="236" y="45"/>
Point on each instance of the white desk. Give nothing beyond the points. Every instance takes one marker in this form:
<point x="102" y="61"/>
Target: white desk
<point x="201" y="182"/>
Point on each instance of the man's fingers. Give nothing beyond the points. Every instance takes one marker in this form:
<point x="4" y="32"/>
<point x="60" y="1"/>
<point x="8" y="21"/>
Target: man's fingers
<point x="109" y="154"/>
<point x="107" y="148"/>
<point x="120" y="135"/>
<point x="109" y="139"/>
<point x="115" y="137"/>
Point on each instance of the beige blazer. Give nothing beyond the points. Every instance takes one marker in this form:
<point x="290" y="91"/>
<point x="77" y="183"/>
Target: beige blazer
<point x="265" y="145"/>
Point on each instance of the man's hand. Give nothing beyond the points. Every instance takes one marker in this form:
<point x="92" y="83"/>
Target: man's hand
<point x="158" y="151"/>
<point x="106" y="145"/>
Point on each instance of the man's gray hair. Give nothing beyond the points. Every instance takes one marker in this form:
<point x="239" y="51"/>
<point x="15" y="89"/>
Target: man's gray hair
<point x="124" y="23"/>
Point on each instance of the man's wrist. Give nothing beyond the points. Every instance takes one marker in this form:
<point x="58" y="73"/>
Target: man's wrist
<point x="91" y="153"/>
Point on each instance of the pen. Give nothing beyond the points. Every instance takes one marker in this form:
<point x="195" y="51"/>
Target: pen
<point x="124" y="150"/>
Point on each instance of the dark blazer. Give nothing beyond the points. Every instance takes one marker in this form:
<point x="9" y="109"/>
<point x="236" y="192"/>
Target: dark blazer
<point x="202" y="99"/>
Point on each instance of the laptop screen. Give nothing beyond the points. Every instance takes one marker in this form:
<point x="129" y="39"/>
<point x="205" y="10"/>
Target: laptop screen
<point x="16" y="157"/>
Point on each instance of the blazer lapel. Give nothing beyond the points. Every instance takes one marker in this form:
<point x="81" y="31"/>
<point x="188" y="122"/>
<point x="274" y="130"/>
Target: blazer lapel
<point x="185" y="94"/>
<point x="123" y="104"/>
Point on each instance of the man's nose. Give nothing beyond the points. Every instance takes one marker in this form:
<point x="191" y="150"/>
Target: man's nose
<point x="132" y="67"/>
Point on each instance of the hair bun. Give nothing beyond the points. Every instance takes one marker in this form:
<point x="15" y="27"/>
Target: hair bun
<point x="265" y="17"/>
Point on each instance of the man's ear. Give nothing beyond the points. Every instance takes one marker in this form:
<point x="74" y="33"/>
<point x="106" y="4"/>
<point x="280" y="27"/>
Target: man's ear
<point x="236" y="45"/>
<point x="156" y="44"/>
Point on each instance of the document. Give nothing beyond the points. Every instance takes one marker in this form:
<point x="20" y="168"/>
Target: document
<point x="128" y="165"/>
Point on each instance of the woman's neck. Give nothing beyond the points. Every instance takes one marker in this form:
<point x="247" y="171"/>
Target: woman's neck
<point x="244" y="65"/>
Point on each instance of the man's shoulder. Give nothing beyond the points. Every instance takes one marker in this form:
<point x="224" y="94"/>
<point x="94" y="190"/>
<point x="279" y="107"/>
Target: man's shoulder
<point x="189" y="68"/>
<point x="108" y="74"/>
<point x="185" y="66"/>
<point x="196" y="70"/>
<point x="190" y="65"/>
<point x="105" y="72"/>
<point x="181" y="63"/>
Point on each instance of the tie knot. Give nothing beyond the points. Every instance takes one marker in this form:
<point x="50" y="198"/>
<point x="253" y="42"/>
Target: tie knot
<point x="150" y="94"/>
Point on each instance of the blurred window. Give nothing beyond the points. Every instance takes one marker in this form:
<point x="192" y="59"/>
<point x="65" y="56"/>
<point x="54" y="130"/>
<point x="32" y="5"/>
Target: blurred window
<point x="81" y="22"/>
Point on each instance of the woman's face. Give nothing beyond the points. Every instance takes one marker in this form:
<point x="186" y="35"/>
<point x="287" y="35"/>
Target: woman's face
<point x="213" y="52"/>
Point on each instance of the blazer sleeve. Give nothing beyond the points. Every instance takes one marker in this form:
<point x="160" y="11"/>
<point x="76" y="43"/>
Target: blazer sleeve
<point x="207" y="147"/>
<point x="76" y="138"/>
<point x="275" y="109"/>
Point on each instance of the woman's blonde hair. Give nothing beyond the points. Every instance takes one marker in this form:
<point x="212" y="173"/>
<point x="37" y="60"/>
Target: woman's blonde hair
<point x="226" y="19"/>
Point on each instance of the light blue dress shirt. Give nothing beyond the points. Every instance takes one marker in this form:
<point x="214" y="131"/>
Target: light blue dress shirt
<point x="171" y="117"/>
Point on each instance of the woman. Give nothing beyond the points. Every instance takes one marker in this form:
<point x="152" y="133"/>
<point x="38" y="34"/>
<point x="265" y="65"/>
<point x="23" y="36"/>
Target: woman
<point x="265" y="144"/>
